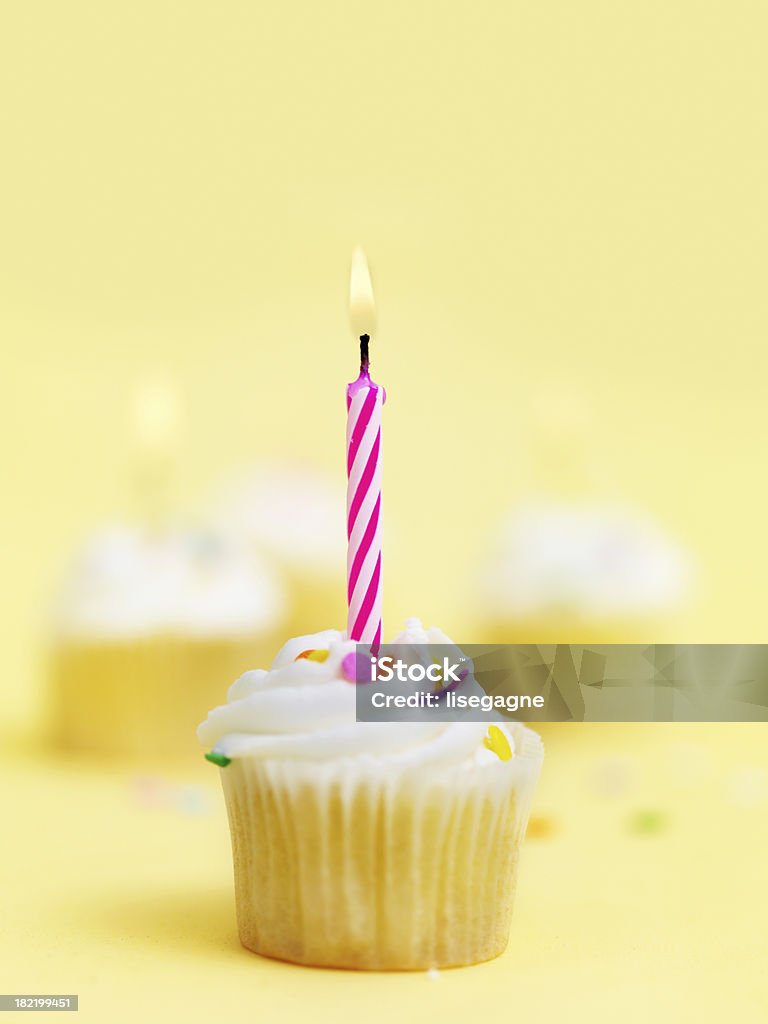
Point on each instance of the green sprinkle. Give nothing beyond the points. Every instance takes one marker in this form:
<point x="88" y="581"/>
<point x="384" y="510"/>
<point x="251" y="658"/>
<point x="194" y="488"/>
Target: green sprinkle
<point x="218" y="759"/>
<point x="648" y="822"/>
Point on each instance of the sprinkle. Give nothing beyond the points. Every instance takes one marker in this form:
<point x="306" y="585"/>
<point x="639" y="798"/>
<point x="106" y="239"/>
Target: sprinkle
<point x="149" y="790"/>
<point x="612" y="776"/>
<point x="313" y="654"/>
<point x="220" y="759"/>
<point x="318" y="656"/>
<point x="441" y="689"/>
<point x="541" y="826"/>
<point x="191" y="800"/>
<point x="349" y="667"/>
<point x="498" y="743"/>
<point x="385" y="662"/>
<point x="356" y="666"/>
<point x="648" y="822"/>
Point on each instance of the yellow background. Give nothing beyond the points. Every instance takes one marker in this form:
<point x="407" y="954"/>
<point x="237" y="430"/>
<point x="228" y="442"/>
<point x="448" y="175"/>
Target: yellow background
<point x="561" y="202"/>
<point x="122" y="892"/>
<point x="554" y="194"/>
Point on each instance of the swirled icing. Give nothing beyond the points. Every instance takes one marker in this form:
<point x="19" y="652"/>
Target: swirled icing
<point x="601" y="560"/>
<point x="127" y="583"/>
<point x="289" y="511"/>
<point x="305" y="710"/>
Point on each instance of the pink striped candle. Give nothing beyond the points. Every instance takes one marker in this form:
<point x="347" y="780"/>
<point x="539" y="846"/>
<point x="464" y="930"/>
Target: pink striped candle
<point x="364" y="403"/>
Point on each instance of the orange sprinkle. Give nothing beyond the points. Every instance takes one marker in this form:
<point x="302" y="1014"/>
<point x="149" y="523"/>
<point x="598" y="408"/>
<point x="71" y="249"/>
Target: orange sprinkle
<point x="313" y="654"/>
<point x="386" y="662"/>
<point x="541" y="826"/>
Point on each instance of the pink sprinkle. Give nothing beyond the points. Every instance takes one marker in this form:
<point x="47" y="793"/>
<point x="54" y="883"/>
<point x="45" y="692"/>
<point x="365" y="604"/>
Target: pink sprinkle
<point x="349" y="667"/>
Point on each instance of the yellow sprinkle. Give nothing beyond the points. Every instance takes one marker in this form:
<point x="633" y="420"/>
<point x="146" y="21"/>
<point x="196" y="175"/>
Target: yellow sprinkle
<point x="497" y="741"/>
<point x="318" y="655"/>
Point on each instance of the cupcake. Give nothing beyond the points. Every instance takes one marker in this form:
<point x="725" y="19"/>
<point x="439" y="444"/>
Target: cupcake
<point x="377" y="846"/>
<point x="581" y="571"/>
<point x="570" y="563"/>
<point x="144" y="628"/>
<point x="290" y="514"/>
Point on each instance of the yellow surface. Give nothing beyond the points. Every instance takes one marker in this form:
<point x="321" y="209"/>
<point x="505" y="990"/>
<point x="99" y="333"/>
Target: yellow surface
<point x="562" y="203"/>
<point x="644" y="899"/>
<point x="564" y="208"/>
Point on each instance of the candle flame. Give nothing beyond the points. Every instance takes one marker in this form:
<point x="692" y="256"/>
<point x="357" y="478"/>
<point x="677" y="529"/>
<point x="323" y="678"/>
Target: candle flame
<point x="362" y="308"/>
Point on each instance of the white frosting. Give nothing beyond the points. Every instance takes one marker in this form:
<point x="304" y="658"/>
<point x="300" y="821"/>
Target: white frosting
<point x="306" y="710"/>
<point x="127" y="583"/>
<point x="287" y="510"/>
<point x="599" y="560"/>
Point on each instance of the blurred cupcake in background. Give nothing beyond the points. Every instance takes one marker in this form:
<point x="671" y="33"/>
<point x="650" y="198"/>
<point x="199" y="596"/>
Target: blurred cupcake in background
<point x="145" y="628"/>
<point x="290" y="514"/>
<point x="582" y="572"/>
<point x="569" y="563"/>
<point x="150" y="617"/>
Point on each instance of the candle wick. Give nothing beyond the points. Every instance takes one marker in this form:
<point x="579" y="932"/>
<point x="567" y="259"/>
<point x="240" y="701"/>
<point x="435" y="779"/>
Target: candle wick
<point x="364" y="339"/>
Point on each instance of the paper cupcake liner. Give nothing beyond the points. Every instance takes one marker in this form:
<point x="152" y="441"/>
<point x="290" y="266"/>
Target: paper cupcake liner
<point x="363" y="865"/>
<point x="141" y="699"/>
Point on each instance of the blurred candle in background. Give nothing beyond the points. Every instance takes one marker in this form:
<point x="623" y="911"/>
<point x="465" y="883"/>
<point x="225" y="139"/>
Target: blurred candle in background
<point x="156" y="422"/>
<point x="364" y="403"/>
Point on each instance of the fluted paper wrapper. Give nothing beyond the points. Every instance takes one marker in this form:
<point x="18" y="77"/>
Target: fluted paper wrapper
<point x="142" y="697"/>
<point x="361" y="864"/>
